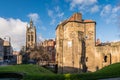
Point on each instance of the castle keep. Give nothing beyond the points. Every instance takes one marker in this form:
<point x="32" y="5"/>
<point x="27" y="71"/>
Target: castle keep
<point x="76" y="49"/>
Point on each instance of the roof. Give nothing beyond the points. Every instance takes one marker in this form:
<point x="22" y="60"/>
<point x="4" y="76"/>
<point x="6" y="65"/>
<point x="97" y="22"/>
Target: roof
<point x="88" y="21"/>
<point x="76" y="17"/>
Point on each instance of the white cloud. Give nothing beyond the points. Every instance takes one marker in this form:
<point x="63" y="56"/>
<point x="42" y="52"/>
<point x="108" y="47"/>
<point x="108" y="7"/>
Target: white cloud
<point x="15" y="29"/>
<point x="55" y="14"/>
<point x="112" y="18"/>
<point x="43" y="28"/>
<point x="110" y="13"/>
<point x="34" y="17"/>
<point x="95" y="8"/>
<point x="116" y="9"/>
<point x="84" y="3"/>
<point x="106" y="10"/>
<point x="40" y="38"/>
<point x="53" y="22"/>
<point x="50" y="13"/>
<point x="61" y="14"/>
<point x="57" y="8"/>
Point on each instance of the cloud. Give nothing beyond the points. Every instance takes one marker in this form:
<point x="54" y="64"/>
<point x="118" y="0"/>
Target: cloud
<point x="112" y="18"/>
<point x="57" y="8"/>
<point x="84" y="3"/>
<point x="55" y="14"/>
<point x="40" y="38"/>
<point x="50" y="13"/>
<point x="60" y="15"/>
<point x="34" y="17"/>
<point x="116" y="9"/>
<point x="43" y="28"/>
<point x="15" y="29"/>
<point x="52" y="22"/>
<point x="95" y="8"/>
<point x="110" y="13"/>
<point x="106" y="10"/>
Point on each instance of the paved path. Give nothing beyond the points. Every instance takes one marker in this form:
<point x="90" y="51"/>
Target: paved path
<point x="111" y="79"/>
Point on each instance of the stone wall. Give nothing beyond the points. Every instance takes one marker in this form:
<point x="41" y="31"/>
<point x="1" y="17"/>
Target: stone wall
<point x="76" y="49"/>
<point x="107" y="54"/>
<point x="75" y="39"/>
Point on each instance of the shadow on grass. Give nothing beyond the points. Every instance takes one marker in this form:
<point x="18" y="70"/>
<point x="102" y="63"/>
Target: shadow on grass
<point x="11" y="76"/>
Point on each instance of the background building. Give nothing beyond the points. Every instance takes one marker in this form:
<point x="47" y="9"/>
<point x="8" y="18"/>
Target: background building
<point x="31" y="36"/>
<point x="49" y="48"/>
<point x="1" y="49"/>
<point x="8" y="51"/>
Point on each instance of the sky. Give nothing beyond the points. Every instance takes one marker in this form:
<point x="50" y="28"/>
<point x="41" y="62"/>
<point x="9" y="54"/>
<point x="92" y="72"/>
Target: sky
<point x="47" y="14"/>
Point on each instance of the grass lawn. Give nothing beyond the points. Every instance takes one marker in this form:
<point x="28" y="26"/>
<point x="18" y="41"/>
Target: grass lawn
<point x="110" y="71"/>
<point x="30" y="71"/>
<point x="34" y="72"/>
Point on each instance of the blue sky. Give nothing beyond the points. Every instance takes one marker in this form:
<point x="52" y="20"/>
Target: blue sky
<point x="46" y="14"/>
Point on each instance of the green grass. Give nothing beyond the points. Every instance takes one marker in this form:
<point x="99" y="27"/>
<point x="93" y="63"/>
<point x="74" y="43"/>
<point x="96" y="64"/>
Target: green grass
<point x="29" y="70"/>
<point x="34" y="72"/>
<point x="110" y="71"/>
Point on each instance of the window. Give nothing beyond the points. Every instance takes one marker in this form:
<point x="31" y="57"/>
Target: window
<point x="69" y="43"/>
<point x="31" y="37"/>
<point x="105" y="58"/>
<point x="28" y="37"/>
<point x="86" y="59"/>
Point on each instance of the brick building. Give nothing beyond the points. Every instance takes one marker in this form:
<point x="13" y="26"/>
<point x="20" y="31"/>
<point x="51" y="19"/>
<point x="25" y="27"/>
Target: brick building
<point x="49" y="48"/>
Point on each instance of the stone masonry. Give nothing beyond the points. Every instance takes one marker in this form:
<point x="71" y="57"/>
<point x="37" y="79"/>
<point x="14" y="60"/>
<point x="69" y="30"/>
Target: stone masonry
<point x="76" y="49"/>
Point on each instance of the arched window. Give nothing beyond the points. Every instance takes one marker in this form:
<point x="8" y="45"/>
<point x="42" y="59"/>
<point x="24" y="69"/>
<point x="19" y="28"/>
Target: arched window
<point x="31" y="37"/>
<point x="105" y="58"/>
<point x="28" y="37"/>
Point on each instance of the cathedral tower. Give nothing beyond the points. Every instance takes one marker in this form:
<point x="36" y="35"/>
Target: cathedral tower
<point x="31" y="36"/>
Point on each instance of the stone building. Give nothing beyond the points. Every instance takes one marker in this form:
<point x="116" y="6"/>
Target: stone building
<point x="76" y="49"/>
<point x="31" y="36"/>
<point x="49" y="48"/>
<point x="107" y="53"/>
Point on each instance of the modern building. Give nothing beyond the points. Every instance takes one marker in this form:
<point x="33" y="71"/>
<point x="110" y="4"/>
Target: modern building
<point x="77" y="50"/>
<point x="31" y="36"/>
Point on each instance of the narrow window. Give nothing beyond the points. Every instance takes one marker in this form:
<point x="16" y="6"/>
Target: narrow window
<point x="31" y="37"/>
<point x="105" y="58"/>
<point x="28" y="37"/>
<point x="86" y="59"/>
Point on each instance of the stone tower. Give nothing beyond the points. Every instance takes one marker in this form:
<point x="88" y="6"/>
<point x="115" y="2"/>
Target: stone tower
<point x="75" y="45"/>
<point x="31" y="36"/>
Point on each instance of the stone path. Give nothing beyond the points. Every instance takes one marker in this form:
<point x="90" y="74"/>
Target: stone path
<point x="111" y="79"/>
